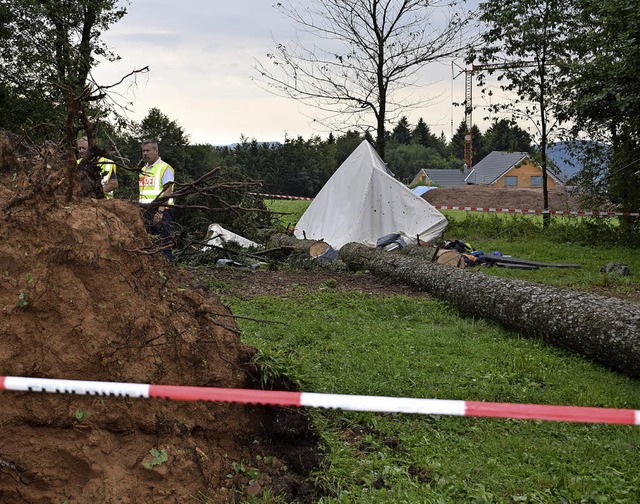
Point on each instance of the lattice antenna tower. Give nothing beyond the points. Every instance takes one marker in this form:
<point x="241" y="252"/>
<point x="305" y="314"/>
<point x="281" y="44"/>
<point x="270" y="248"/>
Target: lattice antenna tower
<point x="468" y="114"/>
<point x="468" y="102"/>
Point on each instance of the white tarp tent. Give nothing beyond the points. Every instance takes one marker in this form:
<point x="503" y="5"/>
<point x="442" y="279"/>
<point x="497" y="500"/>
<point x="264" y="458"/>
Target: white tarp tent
<point x="361" y="202"/>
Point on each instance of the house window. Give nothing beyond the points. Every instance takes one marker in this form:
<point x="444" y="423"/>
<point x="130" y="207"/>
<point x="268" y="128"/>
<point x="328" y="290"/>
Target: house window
<point x="511" y="181"/>
<point x="536" y="181"/>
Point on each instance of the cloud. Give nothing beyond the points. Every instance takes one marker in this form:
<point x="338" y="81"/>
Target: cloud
<point x="201" y="55"/>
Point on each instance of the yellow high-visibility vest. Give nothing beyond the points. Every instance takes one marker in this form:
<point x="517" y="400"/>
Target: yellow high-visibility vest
<point x="150" y="182"/>
<point x="107" y="169"/>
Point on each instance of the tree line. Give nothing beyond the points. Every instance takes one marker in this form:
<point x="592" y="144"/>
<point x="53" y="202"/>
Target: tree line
<point x="301" y="167"/>
<point x="568" y="67"/>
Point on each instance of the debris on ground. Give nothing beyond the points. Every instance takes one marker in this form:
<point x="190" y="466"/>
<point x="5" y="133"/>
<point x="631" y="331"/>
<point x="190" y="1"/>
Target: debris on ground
<point x="616" y="267"/>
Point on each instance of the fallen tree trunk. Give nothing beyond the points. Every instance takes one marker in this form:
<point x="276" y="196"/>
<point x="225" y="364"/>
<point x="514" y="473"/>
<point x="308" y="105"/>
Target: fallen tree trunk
<point x="606" y="330"/>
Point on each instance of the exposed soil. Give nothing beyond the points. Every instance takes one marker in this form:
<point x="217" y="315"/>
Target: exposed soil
<point x="500" y="197"/>
<point x="246" y="283"/>
<point x="83" y="297"/>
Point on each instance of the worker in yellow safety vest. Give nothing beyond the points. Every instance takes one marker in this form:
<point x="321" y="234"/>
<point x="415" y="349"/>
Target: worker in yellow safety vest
<point x="156" y="181"/>
<point x="95" y="157"/>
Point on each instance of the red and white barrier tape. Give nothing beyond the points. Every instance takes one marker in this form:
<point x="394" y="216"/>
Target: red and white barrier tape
<point x="282" y="196"/>
<point x="575" y="213"/>
<point x="336" y="401"/>
<point x="581" y="213"/>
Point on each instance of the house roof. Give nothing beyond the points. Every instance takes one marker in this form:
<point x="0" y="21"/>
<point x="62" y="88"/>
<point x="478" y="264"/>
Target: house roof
<point x="446" y="178"/>
<point x="495" y="165"/>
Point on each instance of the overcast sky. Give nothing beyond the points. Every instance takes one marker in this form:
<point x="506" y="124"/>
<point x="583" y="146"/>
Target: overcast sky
<point x="200" y="55"/>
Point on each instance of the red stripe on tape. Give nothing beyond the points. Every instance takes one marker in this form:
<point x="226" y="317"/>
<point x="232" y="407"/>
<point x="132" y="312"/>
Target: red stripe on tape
<point x="556" y="413"/>
<point x="244" y="396"/>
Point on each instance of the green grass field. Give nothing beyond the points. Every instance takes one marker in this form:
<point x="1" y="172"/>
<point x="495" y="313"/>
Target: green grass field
<point x="290" y="210"/>
<point x="405" y="347"/>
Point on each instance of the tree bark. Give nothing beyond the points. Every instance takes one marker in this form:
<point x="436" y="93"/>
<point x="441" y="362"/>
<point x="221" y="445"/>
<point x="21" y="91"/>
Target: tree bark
<point x="606" y="330"/>
<point x="284" y="240"/>
<point x="300" y="253"/>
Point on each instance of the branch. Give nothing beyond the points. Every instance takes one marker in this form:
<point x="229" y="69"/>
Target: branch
<point x="133" y="72"/>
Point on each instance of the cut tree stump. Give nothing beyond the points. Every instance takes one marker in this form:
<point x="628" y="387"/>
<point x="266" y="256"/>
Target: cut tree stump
<point x="284" y="240"/>
<point x="304" y="253"/>
<point x="606" y="330"/>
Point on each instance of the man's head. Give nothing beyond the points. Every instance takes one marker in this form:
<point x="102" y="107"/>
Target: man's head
<point x="83" y="147"/>
<point x="150" y="151"/>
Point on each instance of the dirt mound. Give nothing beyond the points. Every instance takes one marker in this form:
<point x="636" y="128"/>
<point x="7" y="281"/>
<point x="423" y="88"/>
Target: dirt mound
<point x="501" y="197"/>
<point x="83" y="299"/>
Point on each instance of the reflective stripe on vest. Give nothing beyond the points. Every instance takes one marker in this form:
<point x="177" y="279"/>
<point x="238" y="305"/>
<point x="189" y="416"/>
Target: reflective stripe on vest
<point x="150" y="182"/>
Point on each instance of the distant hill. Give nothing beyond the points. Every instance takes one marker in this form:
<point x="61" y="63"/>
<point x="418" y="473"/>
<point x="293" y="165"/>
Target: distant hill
<point x="569" y="156"/>
<point x="234" y="145"/>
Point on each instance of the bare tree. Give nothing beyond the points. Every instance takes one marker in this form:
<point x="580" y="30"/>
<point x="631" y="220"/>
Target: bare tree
<point x="366" y="52"/>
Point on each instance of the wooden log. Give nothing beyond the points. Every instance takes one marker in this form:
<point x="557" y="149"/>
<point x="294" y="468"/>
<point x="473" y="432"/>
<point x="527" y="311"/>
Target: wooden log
<point x="606" y="330"/>
<point x="303" y="253"/>
<point x="284" y="240"/>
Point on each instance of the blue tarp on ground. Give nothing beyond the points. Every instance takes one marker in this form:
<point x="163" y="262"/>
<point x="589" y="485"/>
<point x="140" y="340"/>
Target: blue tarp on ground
<point x="421" y="189"/>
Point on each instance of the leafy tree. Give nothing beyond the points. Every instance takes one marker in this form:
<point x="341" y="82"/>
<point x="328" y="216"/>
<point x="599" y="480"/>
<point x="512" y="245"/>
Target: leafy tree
<point x="202" y="158"/>
<point x="48" y="49"/>
<point x="259" y="161"/>
<point x="298" y="167"/>
<point x="402" y="132"/>
<point x="422" y="135"/>
<point x="366" y="51"/>
<point x="309" y="164"/>
<point x="346" y="144"/>
<point x="505" y="135"/>
<point x="525" y="43"/>
<point x="171" y="138"/>
<point x="456" y="147"/>
<point x="603" y="93"/>
<point x="406" y="160"/>
<point x="604" y="90"/>
<point x="442" y="144"/>
<point x="368" y="137"/>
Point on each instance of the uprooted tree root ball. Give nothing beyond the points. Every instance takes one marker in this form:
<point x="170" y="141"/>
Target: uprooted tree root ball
<point x="83" y="299"/>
